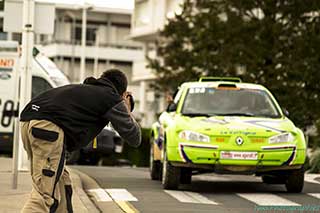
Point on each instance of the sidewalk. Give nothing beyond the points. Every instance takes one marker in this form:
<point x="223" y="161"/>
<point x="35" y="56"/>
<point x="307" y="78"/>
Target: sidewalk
<point x="12" y="200"/>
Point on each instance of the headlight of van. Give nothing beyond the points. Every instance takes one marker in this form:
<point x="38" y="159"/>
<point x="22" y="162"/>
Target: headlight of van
<point x="194" y="136"/>
<point x="282" y="138"/>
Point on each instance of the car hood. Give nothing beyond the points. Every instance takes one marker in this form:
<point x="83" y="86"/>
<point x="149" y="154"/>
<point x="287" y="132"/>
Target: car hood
<point x="232" y="125"/>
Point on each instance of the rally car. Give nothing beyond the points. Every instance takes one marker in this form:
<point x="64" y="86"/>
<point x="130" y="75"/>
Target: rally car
<point x="225" y="126"/>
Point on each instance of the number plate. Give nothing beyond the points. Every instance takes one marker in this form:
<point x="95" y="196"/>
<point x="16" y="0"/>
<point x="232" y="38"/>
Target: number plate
<point x="118" y="148"/>
<point x="239" y="155"/>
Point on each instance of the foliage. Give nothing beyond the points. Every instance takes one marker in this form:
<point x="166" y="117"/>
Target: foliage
<point x="275" y="43"/>
<point x="314" y="163"/>
<point x="1" y="5"/>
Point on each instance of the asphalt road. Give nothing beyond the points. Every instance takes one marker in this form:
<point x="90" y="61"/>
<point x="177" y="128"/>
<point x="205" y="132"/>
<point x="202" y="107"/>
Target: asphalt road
<point x="207" y="193"/>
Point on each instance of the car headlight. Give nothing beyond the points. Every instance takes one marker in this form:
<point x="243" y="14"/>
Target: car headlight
<point x="282" y="138"/>
<point x="194" y="136"/>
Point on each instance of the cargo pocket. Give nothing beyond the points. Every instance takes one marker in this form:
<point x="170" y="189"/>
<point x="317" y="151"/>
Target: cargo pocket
<point x="43" y="134"/>
<point x="44" y="141"/>
<point x="47" y="183"/>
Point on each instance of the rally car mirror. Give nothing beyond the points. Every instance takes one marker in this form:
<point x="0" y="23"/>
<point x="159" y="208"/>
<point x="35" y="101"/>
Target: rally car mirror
<point x="172" y="107"/>
<point x="285" y="112"/>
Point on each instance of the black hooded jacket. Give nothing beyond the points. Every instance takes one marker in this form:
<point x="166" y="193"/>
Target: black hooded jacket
<point x="83" y="110"/>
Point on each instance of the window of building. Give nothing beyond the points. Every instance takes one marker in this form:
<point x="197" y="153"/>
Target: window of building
<point x="17" y="37"/>
<point x="90" y="35"/>
<point x="3" y="35"/>
<point x="39" y="85"/>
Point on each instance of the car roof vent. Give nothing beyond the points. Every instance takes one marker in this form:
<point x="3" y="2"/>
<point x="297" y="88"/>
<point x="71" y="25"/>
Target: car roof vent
<point x="212" y="79"/>
<point x="227" y="85"/>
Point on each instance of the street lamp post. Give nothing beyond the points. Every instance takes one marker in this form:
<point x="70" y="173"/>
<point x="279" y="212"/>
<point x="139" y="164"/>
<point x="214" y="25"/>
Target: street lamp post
<point x="83" y="44"/>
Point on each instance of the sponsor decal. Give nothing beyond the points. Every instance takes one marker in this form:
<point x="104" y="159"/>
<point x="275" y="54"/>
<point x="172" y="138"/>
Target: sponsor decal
<point x="239" y="155"/>
<point x="234" y="132"/>
<point x="262" y="123"/>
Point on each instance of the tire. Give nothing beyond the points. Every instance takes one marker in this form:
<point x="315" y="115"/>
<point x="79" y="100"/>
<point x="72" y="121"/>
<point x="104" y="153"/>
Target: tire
<point x="186" y="176"/>
<point x="295" y="181"/>
<point x="271" y="179"/>
<point x="170" y="174"/>
<point x="155" y="165"/>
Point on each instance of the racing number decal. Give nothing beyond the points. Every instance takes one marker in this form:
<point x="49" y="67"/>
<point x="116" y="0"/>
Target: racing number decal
<point x="7" y="113"/>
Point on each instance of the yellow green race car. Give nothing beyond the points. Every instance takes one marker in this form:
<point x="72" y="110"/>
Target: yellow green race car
<point x="225" y="126"/>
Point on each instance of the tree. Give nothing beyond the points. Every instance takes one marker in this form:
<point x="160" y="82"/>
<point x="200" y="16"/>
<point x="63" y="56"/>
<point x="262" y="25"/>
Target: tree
<point x="276" y="42"/>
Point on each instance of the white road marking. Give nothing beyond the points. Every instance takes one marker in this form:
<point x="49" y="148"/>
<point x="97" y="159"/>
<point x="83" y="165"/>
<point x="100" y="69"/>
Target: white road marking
<point x="265" y="199"/>
<point x="316" y="195"/>
<point x="311" y="178"/>
<point x="121" y="195"/>
<point x="201" y="198"/>
<point x="189" y="197"/>
<point x="100" y="195"/>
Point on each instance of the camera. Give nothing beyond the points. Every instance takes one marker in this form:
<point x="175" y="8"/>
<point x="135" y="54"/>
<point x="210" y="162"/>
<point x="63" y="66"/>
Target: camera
<point x="131" y="102"/>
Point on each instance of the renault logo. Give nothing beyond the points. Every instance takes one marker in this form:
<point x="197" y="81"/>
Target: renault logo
<point x="239" y="141"/>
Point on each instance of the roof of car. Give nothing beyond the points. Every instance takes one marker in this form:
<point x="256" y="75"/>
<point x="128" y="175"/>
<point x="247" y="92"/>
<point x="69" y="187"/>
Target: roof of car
<point x="225" y="83"/>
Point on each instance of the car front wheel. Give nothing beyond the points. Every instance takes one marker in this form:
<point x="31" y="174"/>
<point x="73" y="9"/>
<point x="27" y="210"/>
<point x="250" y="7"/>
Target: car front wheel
<point x="186" y="176"/>
<point x="295" y="181"/>
<point x="170" y="174"/>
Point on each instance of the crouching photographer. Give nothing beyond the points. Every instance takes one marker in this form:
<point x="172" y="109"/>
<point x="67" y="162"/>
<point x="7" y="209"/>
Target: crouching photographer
<point x="68" y="118"/>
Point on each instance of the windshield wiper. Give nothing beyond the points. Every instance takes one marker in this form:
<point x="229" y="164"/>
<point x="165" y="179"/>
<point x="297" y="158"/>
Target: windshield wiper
<point x="197" y="114"/>
<point x="247" y="114"/>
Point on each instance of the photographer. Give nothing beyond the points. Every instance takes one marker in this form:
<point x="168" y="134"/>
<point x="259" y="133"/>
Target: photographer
<point x="68" y="118"/>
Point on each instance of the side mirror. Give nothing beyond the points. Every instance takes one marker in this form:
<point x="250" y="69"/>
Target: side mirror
<point x="172" y="107"/>
<point x="285" y="112"/>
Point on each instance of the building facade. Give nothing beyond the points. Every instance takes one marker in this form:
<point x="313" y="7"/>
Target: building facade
<point x="149" y="17"/>
<point x="107" y="43"/>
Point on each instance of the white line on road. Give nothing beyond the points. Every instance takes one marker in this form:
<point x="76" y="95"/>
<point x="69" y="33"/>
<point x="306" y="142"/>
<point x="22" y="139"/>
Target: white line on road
<point x="189" y="197"/>
<point x="264" y="199"/>
<point x="201" y="198"/>
<point x="316" y="195"/>
<point x="100" y="195"/>
<point x="121" y="195"/>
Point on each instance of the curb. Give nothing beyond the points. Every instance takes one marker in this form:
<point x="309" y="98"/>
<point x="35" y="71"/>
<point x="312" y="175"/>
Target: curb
<point x="113" y="206"/>
<point x="79" y="195"/>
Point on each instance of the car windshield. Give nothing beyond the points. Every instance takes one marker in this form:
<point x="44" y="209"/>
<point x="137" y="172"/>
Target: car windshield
<point x="206" y="101"/>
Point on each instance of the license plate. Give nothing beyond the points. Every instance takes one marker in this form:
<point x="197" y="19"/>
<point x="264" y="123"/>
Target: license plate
<point x="239" y="155"/>
<point x="118" y="148"/>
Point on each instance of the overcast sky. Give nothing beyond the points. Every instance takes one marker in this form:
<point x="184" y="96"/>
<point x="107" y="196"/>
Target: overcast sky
<point x="120" y="4"/>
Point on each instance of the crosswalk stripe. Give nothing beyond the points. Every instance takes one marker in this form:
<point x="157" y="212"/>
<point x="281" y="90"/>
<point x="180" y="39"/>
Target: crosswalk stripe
<point x="121" y="195"/>
<point x="265" y="199"/>
<point x="100" y="195"/>
<point x="201" y="198"/>
<point x="316" y="195"/>
<point x="181" y="196"/>
<point x="189" y="197"/>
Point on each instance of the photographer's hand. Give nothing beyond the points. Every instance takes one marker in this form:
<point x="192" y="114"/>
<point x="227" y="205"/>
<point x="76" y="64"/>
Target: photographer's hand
<point x="126" y="98"/>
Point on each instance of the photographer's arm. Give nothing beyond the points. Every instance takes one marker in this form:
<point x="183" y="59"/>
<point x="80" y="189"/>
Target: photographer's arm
<point x="124" y="124"/>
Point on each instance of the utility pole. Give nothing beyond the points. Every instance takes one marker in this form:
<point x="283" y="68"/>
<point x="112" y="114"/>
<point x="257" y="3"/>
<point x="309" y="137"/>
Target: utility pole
<point x="26" y="67"/>
<point x="83" y="44"/>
